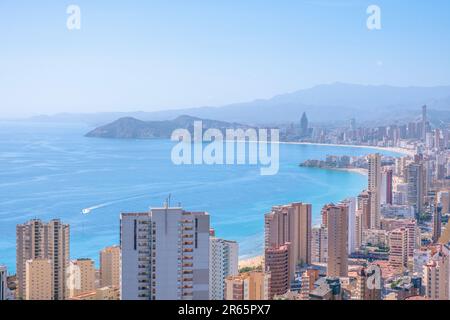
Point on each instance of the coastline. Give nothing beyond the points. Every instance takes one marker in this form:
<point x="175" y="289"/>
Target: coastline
<point x="403" y="151"/>
<point x="361" y="171"/>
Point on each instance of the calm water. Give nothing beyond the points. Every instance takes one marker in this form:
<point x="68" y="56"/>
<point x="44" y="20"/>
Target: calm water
<point x="52" y="171"/>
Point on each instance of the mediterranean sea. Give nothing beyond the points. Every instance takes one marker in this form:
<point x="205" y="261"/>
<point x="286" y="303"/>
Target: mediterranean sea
<point x="50" y="171"/>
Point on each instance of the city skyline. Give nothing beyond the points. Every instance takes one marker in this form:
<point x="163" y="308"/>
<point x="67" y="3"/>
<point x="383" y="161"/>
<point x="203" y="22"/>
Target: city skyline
<point x="333" y="185"/>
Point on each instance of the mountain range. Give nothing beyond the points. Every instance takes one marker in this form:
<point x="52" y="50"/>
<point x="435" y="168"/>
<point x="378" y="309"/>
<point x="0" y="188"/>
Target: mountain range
<point x="323" y="103"/>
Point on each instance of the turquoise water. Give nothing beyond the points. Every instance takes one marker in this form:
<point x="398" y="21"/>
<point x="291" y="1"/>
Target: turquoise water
<point x="52" y="171"/>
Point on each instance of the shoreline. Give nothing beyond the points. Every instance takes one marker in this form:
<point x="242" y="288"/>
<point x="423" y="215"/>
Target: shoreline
<point x="403" y="151"/>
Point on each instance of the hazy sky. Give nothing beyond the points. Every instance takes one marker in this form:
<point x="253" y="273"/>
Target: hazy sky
<point x="160" y="54"/>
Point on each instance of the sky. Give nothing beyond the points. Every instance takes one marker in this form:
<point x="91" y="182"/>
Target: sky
<point x="164" y="54"/>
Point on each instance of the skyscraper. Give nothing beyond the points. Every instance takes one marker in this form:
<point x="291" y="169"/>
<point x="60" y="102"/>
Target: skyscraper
<point x="386" y="186"/>
<point x="304" y="130"/>
<point x="47" y="241"/>
<point x="110" y="267"/>
<point x="363" y="207"/>
<point x="337" y="217"/>
<point x="375" y="189"/>
<point x="351" y="204"/>
<point x="290" y="224"/>
<point x="223" y="262"/>
<point x="415" y="180"/>
<point x="424" y="123"/>
<point x="319" y="245"/>
<point x="277" y="262"/>
<point x="165" y="255"/>
<point x="437" y="223"/>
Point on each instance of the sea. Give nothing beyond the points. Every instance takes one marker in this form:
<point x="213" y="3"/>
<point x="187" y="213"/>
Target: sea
<point x="50" y="171"/>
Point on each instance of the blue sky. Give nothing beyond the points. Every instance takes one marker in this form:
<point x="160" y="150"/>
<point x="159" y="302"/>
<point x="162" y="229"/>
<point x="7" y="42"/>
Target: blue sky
<point x="161" y="54"/>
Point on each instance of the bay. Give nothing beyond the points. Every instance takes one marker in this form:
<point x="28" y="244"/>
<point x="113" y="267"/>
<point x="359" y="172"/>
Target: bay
<point x="50" y="171"/>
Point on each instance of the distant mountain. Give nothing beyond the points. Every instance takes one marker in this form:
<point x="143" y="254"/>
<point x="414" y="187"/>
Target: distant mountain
<point x="131" y="128"/>
<point x="323" y="103"/>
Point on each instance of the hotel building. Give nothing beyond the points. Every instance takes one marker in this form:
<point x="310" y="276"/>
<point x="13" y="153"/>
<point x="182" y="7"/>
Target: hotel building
<point x="46" y="241"/>
<point x="223" y="262"/>
<point x="337" y="217"/>
<point x="165" y="255"/>
<point x="38" y="279"/>
<point x="277" y="262"/>
<point x="290" y="224"/>
<point x="375" y="188"/>
<point x="398" y="249"/>
<point x="110" y="267"/>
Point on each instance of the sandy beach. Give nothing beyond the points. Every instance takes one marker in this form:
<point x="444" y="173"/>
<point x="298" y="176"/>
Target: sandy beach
<point x="251" y="262"/>
<point x="403" y="151"/>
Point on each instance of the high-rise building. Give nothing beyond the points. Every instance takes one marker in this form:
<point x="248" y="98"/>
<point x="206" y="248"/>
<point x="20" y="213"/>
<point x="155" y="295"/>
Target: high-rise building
<point x="387" y="186"/>
<point x="437" y="223"/>
<point x="39" y="280"/>
<point x="276" y="261"/>
<point x="437" y="275"/>
<point x="374" y="185"/>
<point x="290" y="224"/>
<point x="319" y="245"/>
<point x="81" y="277"/>
<point x="165" y="255"/>
<point x="416" y="183"/>
<point x="47" y="241"/>
<point x="363" y="206"/>
<point x="252" y="285"/>
<point x="223" y="262"/>
<point x="351" y="204"/>
<point x="304" y="130"/>
<point x="410" y="225"/>
<point x="3" y="282"/>
<point x="337" y="263"/>
<point x="398" y="249"/>
<point x="110" y="267"/>
<point x="443" y="199"/>
<point x="424" y="123"/>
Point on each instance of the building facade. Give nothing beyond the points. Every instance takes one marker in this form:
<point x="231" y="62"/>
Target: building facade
<point x="110" y="267"/>
<point x="223" y="262"/>
<point x="165" y="255"/>
<point x="49" y="241"/>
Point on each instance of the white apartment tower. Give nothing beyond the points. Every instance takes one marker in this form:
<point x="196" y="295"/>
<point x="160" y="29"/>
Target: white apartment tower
<point x="223" y="262"/>
<point x="165" y="255"/>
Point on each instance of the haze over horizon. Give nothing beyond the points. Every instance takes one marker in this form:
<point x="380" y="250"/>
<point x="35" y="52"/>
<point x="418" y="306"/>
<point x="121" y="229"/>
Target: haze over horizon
<point x="132" y="56"/>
